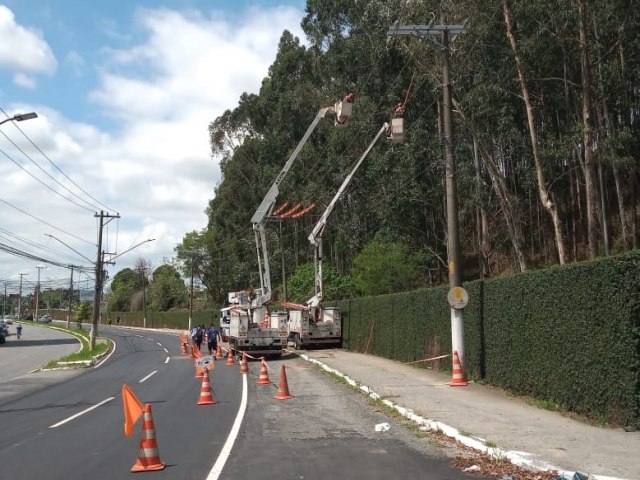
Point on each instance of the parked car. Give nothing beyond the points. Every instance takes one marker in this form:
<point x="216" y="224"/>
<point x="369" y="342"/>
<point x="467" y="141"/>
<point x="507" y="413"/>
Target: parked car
<point x="45" y="319"/>
<point x="4" y="328"/>
<point x="8" y="320"/>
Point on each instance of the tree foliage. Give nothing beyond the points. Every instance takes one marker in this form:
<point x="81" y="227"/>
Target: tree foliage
<point x="522" y="167"/>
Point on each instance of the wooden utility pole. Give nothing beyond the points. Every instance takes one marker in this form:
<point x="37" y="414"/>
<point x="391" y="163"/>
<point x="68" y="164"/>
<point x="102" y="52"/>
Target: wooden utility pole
<point x="453" y="240"/>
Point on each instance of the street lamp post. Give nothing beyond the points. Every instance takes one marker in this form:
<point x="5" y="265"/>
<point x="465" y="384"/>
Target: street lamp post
<point x="19" y="117"/>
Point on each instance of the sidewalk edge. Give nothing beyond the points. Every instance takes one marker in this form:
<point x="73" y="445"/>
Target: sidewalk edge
<point x="517" y="458"/>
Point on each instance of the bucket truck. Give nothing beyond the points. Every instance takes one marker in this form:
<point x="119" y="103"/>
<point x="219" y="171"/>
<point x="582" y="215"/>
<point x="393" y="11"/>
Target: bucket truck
<point x="310" y="324"/>
<point x="252" y="328"/>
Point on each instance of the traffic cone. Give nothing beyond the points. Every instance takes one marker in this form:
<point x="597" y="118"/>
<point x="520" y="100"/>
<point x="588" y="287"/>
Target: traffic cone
<point x="230" y="360"/>
<point x="219" y="352"/>
<point x="264" y="375"/>
<point x="200" y="371"/>
<point x="183" y="348"/>
<point x="206" y="392"/>
<point x="458" y="380"/>
<point x="148" y="457"/>
<point x="244" y="366"/>
<point x="283" y="388"/>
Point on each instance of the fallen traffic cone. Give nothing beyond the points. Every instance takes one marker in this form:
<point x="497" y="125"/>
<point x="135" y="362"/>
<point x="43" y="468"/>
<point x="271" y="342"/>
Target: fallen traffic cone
<point x="283" y="388"/>
<point x="458" y="380"/>
<point x="230" y="360"/>
<point x="244" y="366"/>
<point x="219" y="352"/>
<point x="148" y="457"/>
<point x="264" y="375"/>
<point x="206" y="392"/>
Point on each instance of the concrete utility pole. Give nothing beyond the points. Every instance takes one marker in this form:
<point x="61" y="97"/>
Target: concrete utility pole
<point x="453" y="240"/>
<point x="35" y="318"/>
<point x="191" y="294"/>
<point x="70" y="298"/>
<point x="20" y="296"/>
<point x="99" y="279"/>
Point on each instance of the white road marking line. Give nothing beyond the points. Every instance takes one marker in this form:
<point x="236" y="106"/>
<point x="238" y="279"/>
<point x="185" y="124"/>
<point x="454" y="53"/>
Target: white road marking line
<point x="166" y="351"/>
<point x="81" y="413"/>
<point x="216" y="470"/>
<point x="151" y="339"/>
<point x="159" y="344"/>
<point x="148" y="376"/>
<point x="167" y="360"/>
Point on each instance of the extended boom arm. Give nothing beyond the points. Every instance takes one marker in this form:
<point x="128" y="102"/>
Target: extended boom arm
<point x="316" y="234"/>
<point x="342" y="110"/>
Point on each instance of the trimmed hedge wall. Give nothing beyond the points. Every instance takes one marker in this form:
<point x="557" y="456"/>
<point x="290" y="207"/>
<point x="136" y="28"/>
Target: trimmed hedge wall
<point x="567" y="334"/>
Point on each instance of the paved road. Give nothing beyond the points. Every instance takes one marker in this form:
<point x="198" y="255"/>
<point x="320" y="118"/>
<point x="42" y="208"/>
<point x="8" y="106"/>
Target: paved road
<point x="73" y="428"/>
<point x="37" y="346"/>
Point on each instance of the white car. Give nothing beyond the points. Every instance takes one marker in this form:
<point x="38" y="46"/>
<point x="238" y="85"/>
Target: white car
<point x="8" y="320"/>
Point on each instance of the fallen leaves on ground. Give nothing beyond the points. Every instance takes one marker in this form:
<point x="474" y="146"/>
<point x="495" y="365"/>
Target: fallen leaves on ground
<point x="492" y="467"/>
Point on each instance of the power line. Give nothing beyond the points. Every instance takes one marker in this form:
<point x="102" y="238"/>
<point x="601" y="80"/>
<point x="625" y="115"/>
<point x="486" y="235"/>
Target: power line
<point x="56" y="167"/>
<point x="45" y="222"/>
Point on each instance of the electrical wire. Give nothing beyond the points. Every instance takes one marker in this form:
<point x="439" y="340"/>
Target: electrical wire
<point x="55" y="166"/>
<point x="45" y="222"/>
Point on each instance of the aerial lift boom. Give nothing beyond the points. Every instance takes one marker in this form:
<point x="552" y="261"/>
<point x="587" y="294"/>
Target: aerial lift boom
<point x="342" y="110"/>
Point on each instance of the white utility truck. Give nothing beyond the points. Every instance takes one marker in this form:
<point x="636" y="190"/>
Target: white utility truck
<point x="310" y="324"/>
<point x="252" y="327"/>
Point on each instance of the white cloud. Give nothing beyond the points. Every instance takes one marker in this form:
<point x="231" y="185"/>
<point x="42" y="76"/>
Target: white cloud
<point x="155" y="169"/>
<point x="23" y="49"/>
<point x="74" y="61"/>
<point x="24" y="81"/>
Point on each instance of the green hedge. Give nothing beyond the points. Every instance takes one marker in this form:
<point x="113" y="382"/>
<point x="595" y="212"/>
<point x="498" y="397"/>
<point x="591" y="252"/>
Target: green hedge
<point x="570" y="334"/>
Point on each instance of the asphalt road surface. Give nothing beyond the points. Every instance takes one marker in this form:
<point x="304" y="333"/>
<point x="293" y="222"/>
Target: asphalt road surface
<point x="71" y="427"/>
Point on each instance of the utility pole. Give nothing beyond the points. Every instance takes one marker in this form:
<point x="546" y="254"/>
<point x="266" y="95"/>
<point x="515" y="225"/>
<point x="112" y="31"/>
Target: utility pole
<point x="191" y="294"/>
<point x="284" y="271"/>
<point x="70" y="297"/>
<point x="4" y="300"/>
<point x="453" y="240"/>
<point x="35" y="318"/>
<point x="143" y="269"/>
<point x="97" y="297"/>
<point x="20" y="296"/>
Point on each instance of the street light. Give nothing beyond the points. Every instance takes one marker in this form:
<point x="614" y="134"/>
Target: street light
<point x="19" y="117"/>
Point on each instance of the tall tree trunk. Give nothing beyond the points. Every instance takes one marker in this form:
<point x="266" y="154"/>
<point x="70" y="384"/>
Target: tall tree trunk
<point x="482" y="221"/>
<point x="545" y="198"/>
<point x="500" y="187"/>
<point x="587" y="132"/>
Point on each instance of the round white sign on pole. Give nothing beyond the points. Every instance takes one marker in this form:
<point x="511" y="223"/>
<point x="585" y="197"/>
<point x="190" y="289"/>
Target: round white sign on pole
<point x="458" y="298"/>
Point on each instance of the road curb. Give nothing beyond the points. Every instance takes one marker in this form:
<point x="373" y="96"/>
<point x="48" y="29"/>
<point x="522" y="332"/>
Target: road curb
<point x="521" y="459"/>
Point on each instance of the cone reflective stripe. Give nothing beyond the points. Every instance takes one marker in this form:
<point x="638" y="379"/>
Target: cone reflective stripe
<point x="148" y="456"/>
<point x="264" y="375"/>
<point x="458" y="380"/>
<point x="206" y="393"/>
<point x="230" y="360"/>
<point x="219" y="352"/>
<point x="283" y="387"/>
<point x="244" y="366"/>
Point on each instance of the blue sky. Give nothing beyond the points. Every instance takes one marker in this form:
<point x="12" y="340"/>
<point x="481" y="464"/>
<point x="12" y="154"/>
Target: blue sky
<point x="124" y="92"/>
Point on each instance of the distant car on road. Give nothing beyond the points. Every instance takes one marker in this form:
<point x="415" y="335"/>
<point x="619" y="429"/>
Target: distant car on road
<point x="8" y="320"/>
<point x="45" y="319"/>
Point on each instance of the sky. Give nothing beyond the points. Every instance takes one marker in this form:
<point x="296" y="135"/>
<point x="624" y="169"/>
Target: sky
<point x="124" y="91"/>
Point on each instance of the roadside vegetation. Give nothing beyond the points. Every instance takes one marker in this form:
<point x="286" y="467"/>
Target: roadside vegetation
<point x="85" y="356"/>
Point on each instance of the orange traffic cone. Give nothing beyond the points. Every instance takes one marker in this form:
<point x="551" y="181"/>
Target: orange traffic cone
<point x="264" y="375"/>
<point x="218" y="352"/>
<point x="458" y="380"/>
<point x="244" y="366"/>
<point x="200" y="371"/>
<point x="230" y="360"/>
<point x="206" y="392"/>
<point x="183" y="349"/>
<point x="283" y="388"/>
<point x="148" y="457"/>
